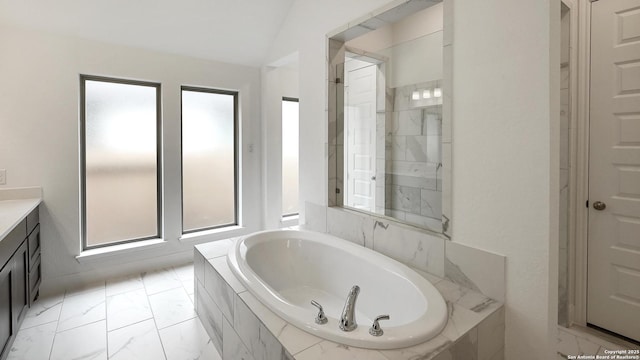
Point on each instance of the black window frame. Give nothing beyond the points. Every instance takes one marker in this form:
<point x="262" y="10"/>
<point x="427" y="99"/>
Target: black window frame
<point x="236" y="157"/>
<point x="83" y="157"/>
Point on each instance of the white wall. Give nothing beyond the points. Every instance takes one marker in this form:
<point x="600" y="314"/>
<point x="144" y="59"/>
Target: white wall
<point x="277" y="82"/>
<point x="505" y="141"/>
<point x="39" y="117"/>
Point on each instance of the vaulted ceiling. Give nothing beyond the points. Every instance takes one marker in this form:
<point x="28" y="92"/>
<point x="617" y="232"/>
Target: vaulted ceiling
<point x="237" y="31"/>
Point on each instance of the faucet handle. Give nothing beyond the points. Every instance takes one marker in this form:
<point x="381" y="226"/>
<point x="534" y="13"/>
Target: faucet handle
<point x="375" y="329"/>
<point x="321" y="319"/>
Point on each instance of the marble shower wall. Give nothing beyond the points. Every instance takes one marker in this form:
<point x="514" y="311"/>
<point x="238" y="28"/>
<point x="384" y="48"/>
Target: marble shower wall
<point x="413" y="153"/>
<point x="469" y="267"/>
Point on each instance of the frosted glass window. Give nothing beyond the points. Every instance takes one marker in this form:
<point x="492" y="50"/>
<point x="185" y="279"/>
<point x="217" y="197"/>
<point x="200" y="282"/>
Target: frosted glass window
<point x="208" y="159"/>
<point x="290" y="125"/>
<point x="120" y="123"/>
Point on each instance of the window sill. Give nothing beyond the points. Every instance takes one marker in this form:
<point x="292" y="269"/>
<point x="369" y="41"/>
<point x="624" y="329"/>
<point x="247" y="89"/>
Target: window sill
<point x="291" y="220"/>
<point x="215" y="234"/>
<point x="109" y="251"/>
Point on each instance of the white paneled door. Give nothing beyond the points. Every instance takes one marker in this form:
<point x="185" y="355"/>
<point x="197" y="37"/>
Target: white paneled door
<point x="614" y="168"/>
<point x="360" y="120"/>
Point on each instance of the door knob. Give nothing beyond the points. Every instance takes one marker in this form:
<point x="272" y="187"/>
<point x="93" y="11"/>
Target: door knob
<point x="599" y="205"/>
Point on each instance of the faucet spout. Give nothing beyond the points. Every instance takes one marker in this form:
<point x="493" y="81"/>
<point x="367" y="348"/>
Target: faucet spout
<point x="348" y="318"/>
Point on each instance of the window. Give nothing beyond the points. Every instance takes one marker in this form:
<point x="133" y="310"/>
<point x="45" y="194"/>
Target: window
<point x="209" y="159"/>
<point x="290" y="125"/>
<point x="120" y="160"/>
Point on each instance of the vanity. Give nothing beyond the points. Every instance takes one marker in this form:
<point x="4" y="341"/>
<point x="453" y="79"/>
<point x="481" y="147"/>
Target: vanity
<point x="20" y="271"/>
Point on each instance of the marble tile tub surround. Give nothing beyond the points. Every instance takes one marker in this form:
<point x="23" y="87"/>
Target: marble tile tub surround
<point x="472" y="268"/>
<point x="242" y="328"/>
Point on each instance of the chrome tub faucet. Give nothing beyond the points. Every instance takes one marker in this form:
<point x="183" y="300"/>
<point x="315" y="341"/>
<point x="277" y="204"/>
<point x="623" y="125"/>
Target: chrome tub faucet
<point x="348" y="318"/>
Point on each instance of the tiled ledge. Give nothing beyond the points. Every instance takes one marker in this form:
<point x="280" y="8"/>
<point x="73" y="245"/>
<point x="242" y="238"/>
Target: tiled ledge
<point x="242" y="328"/>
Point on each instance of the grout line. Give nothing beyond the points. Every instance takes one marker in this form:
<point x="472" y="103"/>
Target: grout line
<point x="153" y="316"/>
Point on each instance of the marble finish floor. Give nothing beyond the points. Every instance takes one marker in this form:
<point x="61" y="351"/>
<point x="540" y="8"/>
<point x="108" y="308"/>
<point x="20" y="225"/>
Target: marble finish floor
<point x="145" y="316"/>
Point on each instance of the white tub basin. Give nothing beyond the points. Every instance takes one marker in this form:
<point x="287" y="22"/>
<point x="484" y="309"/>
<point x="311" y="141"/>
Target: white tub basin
<point x="286" y="269"/>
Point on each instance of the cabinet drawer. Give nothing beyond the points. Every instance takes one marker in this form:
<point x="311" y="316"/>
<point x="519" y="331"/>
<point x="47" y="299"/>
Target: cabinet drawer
<point x="33" y="219"/>
<point x="35" y="277"/>
<point x="11" y="242"/>
<point x="34" y="246"/>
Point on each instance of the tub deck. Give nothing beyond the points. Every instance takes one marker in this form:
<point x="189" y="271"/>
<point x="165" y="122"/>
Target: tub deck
<point x="243" y="328"/>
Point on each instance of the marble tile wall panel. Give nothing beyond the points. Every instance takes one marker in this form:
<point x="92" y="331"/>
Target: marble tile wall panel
<point x="431" y="203"/>
<point x="406" y="122"/>
<point x="434" y="224"/>
<point x="410" y="168"/>
<point x="398" y="147"/>
<point x="475" y="269"/>
<point x="428" y="183"/>
<point x="432" y="124"/>
<point x="209" y="314"/>
<point x="198" y="264"/>
<point x="420" y="250"/>
<point x="418" y="147"/>
<point x="350" y="226"/>
<point x="433" y="149"/>
<point x="260" y="342"/>
<point x="232" y="346"/>
<point x="466" y="347"/>
<point x="405" y="198"/>
<point x="219" y="291"/>
<point x="491" y="334"/>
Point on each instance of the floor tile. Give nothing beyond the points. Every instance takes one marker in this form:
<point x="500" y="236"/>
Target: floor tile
<point x="184" y="272"/>
<point x="139" y="341"/>
<point x="160" y="280"/>
<point x="171" y="307"/>
<point x="33" y="343"/>
<point x="85" y="288"/>
<point x="84" y="342"/>
<point x="127" y="308"/>
<point x="82" y="310"/>
<point x="188" y="340"/>
<point x="124" y="284"/>
<point x="189" y="287"/>
<point x="44" y="310"/>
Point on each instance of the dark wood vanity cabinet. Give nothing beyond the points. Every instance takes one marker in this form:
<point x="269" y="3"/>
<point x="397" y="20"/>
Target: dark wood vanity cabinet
<point x="19" y="277"/>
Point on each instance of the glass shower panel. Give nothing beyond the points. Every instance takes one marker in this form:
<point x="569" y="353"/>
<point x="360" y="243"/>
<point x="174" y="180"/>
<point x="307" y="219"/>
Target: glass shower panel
<point x="121" y="168"/>
<point x="290" y="126"/>
<point x="208" y="159"/>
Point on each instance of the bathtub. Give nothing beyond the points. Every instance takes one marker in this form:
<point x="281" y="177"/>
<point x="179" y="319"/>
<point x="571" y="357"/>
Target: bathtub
<point x="286" y="269"/>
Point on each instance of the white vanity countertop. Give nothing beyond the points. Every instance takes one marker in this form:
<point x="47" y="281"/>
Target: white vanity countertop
<point x="15" y="205"/>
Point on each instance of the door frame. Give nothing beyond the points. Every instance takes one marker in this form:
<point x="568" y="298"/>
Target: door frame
<point x="580" y="66"/>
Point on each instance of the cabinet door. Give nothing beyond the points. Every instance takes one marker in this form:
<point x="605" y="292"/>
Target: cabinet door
<point x="6" y="310"/>
<point x="20" y="295"/>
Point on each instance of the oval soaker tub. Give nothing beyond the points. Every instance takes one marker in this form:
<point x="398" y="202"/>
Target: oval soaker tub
<point x="286" y="269"/>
